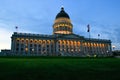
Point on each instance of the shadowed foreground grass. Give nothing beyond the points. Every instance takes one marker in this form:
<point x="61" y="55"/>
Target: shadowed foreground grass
<point x="58" y="68"/>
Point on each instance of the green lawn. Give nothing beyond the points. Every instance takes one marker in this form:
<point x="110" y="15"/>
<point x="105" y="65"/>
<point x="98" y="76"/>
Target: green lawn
<point x="59" y="68"/>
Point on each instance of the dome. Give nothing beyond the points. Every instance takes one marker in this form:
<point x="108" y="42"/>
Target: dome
<point x="62" y="13"/>
<point x="62" y="23"/>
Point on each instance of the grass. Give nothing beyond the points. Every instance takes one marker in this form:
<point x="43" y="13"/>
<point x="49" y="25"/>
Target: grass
<point x="59" y="68"/>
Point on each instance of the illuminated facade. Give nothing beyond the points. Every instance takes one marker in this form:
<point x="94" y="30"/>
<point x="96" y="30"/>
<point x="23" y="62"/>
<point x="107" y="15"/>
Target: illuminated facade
<point x="63" y="42"/>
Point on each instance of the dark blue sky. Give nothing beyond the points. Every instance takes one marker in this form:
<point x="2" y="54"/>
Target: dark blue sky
<point x="37" y="16"/>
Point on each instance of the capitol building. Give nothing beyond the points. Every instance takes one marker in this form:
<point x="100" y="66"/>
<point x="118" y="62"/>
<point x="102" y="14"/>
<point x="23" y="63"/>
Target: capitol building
<point x="63" y="42"/>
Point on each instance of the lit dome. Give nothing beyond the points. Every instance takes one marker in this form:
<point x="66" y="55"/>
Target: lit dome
<point x="62" y="23"/>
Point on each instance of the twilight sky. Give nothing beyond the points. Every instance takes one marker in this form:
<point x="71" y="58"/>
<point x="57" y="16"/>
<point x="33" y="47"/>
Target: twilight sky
<point x="37" y="16"/>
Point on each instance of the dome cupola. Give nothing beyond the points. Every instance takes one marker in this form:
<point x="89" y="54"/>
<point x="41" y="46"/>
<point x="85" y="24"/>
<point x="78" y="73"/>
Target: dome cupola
<point x="62" y="13"/>
<point x="62" y="23"/>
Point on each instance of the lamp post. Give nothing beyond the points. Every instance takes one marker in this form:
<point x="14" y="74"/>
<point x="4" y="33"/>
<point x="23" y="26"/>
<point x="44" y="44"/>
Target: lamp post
<point x="113" y="47"/>
<point x="32" y="50"/>
<point x="98" y="36"/>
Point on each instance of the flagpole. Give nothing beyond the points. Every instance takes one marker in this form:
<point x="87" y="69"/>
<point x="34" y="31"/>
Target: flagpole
<point x="89" y="35"/>
<point x="90" y="40"/>
<point x="88" y="26"/>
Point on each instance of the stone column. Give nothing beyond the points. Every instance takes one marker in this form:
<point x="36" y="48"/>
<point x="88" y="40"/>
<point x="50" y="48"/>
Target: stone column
<point x="12" y="46"/>
<point x="57" y="46"/>
<point x="28" y="47"/>
<point x="37" y="52"/>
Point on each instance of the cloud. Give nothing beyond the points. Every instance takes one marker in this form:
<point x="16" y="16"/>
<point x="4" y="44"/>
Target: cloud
<point x="5" y="40"/>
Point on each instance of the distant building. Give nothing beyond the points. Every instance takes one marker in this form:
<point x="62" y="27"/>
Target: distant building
<point x="116" y="53"/>
<point x="5" y="52"/>
<point x="63" y="42"/>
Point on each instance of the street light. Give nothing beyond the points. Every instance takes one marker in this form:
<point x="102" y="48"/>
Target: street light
<point x="113" y="47"/>
<point x="33" y="50"/>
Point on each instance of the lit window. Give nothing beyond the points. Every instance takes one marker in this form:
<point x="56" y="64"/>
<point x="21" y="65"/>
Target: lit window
<point x="26" y="49"/>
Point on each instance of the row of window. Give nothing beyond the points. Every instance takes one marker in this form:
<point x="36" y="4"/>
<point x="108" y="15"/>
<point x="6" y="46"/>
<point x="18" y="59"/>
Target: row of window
<point x="63" y="46"/>
<point x="32" y="49"/>
<point x="46" y="50"/>
<point x="27" y="41"/>
<point x="62" y="28"/>
<point x="34" y="41"/>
